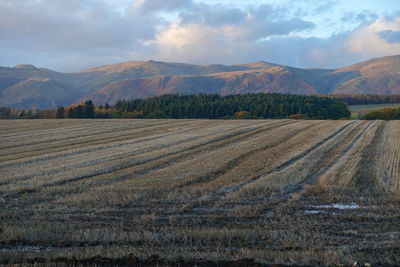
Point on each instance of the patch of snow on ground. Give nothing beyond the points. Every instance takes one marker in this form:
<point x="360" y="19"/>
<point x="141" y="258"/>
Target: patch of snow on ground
<point x="340" y="206"/>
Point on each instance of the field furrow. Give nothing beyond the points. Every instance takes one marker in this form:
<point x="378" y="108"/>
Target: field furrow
<point x="291" y="170"/>
<point x="162" y="160"/>
<point x="388" y="158"/>
<point x="88" y="139"/>
<point x="274" y="191"/>
<point x="116" y="156"/>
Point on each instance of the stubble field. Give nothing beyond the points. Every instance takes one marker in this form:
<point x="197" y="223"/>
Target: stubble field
<point x="203" y="192"/>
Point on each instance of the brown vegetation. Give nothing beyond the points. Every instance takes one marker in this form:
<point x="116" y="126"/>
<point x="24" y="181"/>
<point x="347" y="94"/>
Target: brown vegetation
<point x="200" y="192"/>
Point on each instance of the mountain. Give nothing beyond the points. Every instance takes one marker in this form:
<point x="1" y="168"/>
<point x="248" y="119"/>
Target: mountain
<point x="26" y="86"/>
<point x="375" y="76"/>
<point x="37" y="93"/>
<point x="98" y="77"/>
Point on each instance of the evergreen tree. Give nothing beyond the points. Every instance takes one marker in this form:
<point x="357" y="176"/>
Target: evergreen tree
<point x="88" y="109"/>
<point x="60" y="112"/>
<point x="78" y="112"/>
<point x="71" y="113"/>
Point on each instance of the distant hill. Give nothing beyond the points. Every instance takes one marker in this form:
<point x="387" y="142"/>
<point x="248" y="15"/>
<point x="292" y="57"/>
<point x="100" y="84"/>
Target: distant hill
<point x="37" y="93"/>
<point x="375" y="76"/>
<point x="26" y="86"/>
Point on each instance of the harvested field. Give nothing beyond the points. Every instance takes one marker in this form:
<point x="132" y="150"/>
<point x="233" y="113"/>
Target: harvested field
<point x="169" y="192"/>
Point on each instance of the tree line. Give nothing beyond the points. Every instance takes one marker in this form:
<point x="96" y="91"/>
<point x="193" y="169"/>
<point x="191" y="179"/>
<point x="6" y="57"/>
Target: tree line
<point x="383" y="114"/>
<point x="214" y="106"/>
<point x="368" y="99"/>
<point x="82" y="111"/>
<point x="200" y="106"/>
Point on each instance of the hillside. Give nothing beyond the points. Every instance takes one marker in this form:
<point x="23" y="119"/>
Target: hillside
<point x="252" y="78"/>
<point x="375" y="76"/>
<point x="27" y="86"/>
<point x="37" y="93"/>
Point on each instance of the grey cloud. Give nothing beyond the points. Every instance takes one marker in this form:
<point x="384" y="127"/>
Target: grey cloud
<point x="260" y="29"/>
<point x="274" y="21"/>
<point x="347" y="17"/>
<point x="286" y="50"/>
<point x="324" y="7"/>
<point x="170" y="5"/>
<point x="332" y="52"/>
<point x="390" y="36"/>
<point x="212" y="15"/>
<point x="287" y="26"/>
<point x="73" y="29"/>
<point x="257" y="22"/>
<point x="63" y="61"/>
<point x="391" y="16"/>
<point x="361" y="17"/>
<point x="312" y="7"/>
<point x="265" y="11"/>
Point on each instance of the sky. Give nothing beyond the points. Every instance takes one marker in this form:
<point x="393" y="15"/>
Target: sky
<point x="71" y="35"/>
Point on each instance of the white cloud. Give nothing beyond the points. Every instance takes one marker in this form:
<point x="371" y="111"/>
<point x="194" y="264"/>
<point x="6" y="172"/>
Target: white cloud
<point x="178" y="36"/>
<point x="368" y="40"/>
<point x="190" y="43"/>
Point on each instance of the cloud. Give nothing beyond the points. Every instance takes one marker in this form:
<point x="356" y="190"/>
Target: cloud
<point x="75" y="34"/>
<point x="148" y="6"/>
<point x="365" y="42"/>
<point x="323" y="6"/>
<point x="250" y="24"/>
<point x="312" y="7"/>
<point x="376" y="39"/>
<point x="178" y="36"/>
<point x="390" y="36"/>
<point x="205" y="44"/>
<point x="53" y="24"/>
<point x="216" y="15"/>
<point x="219" y="34"/>
<point x="75" y="29"/>
<point x="359" y="17"/>
<point x="240" y="42"/>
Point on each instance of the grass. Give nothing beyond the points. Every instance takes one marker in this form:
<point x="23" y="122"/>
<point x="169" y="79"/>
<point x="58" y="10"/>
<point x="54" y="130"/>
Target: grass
<point x="255" y="192"/>
<point x="358" y="110"/>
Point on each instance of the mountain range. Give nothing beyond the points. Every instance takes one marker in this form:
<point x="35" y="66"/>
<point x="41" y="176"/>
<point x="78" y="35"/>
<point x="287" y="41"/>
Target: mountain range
<point x="26" y="86"/>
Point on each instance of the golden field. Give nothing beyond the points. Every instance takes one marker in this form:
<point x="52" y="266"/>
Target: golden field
<point x="200" y="191"/>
